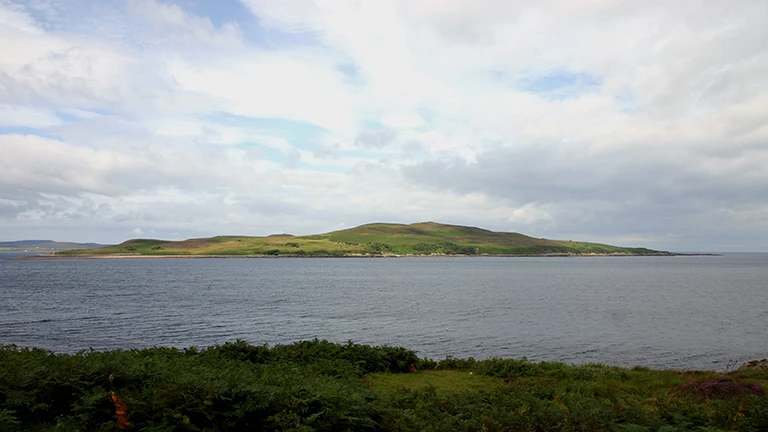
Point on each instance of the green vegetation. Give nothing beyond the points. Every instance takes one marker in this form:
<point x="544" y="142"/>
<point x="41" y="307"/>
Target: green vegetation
<point x="321" y="386"/>
<point x="374" y="239"/>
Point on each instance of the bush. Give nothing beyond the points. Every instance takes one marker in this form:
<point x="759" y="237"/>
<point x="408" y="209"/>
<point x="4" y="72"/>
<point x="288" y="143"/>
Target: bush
<point x="377" y="248"/>
<point x="317" y="385"/>
<point x="448" y="248"/>
<point x="506" y="368"/>
<point x="227" y="387"/>
<point x="453" y="363"/>
<point x="717" y="388"/>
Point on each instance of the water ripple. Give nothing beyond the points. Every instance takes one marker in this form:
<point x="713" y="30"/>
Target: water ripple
<point x="683" y="312"/>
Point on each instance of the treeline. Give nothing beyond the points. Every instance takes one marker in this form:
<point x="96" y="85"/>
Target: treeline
<point x="447" y="248"/>
<point x="379" y="248"/>
<point x="444" y="248"/>
<point x="322" y="386"/>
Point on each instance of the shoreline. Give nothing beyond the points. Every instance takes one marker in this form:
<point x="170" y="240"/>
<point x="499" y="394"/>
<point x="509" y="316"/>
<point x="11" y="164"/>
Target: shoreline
<point x="43" y="257"/>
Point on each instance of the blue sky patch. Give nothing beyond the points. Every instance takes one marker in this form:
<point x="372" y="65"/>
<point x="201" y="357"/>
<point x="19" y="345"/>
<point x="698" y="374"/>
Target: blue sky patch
<point x="560" y="85"/>
<point x="351" y="73"/>
<point x="301" y="135"/>
<point x="219" y="12"/>
<point x="69" y="117"/>
<point x="11" y="130"/>
<point x="628" y="102"/>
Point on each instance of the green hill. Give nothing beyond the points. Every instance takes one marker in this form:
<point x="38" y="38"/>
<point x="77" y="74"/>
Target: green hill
<point x="424" y="238"/>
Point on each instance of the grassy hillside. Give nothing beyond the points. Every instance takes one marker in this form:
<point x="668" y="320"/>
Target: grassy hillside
<point x="321" y="386"/>
<point x="373" y="239"/>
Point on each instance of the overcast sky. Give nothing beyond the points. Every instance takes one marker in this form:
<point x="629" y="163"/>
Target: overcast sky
<point x="631" y="122"/>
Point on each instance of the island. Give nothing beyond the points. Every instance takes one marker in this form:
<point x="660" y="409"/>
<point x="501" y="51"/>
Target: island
<point x="370" y="240"/>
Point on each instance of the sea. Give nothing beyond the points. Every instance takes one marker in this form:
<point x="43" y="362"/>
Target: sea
<point x="679" y="312"/>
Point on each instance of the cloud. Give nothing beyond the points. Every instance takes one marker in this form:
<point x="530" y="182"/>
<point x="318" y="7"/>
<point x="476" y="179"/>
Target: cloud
<point x="375" y="138"/>
<point x="27" y="117"/>
<point x="569" y="190"/>
<point x="137" y="231"/>
<point x="402" y="120"/>
<point x="39" y="68"/>
<point x="164" y="23"/>
<point x="265" y="85"/>
<point x="13" y="16"/>
<point x="530" y="213"/>
<point x="619" y="121"/>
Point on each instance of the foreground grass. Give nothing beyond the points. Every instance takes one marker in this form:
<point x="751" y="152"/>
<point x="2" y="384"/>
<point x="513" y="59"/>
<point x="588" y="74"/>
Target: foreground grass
<point x="317" y="385"/>
<point x="372" y="239"/>
<point x="445" y="381"/>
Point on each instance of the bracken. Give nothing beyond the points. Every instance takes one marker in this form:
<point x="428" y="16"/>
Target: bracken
<point x="717" y="388"/>
<point x="121" y="412"/>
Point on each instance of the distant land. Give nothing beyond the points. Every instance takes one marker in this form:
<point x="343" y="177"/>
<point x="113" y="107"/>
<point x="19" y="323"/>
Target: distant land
<point x="45" y="246"/>
<point x="378" y="239"/>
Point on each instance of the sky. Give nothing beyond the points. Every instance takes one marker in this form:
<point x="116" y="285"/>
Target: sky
<point x="629" y="122"/>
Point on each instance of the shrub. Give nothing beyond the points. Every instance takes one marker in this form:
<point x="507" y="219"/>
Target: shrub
<point x="228" y="387"/>
<point x="377" y="248"/>
<point x="720" y="388"/>
<point x="317" y="385"/>
<point x="506" y="368"/>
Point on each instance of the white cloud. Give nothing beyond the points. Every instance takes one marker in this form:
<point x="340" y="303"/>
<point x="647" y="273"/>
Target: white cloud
<point x="402" y="120"/>
<point x="23" y="116"/>
<point x="170" y="24"/>
<point x="65" y="70"/>
<point x="13" y="16"/>
<point x="529" y="214"/>
<point x="624" y="120"/>
<point x="137" y="231"/>
<point x="268" y="85"/>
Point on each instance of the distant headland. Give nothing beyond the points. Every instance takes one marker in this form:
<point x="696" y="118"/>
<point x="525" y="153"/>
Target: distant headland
<point x="44" y="246"/>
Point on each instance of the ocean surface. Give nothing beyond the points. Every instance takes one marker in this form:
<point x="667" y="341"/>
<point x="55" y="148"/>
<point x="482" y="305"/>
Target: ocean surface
<point x="685" y="312"/>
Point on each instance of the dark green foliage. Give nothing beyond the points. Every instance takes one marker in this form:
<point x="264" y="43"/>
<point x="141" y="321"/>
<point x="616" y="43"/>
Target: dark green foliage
<point x="506" y="368"/>
<point x="322" y="386"/>
<point x="453" y="363"/>
<point x="424" y="248"/>
<point x="720" y="388"/>
<point x="448" y="248"/>
<point x="227" y="387"/>
<point x="362" y="359"/>
<point x="377" y="248"/>
<point x="325" y="253"/>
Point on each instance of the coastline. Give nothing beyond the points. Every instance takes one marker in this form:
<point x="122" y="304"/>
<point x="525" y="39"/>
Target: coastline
<point x="42" y="257"/>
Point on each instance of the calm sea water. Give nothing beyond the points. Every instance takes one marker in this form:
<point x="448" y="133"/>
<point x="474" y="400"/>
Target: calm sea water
<point x="668" y="312"/>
